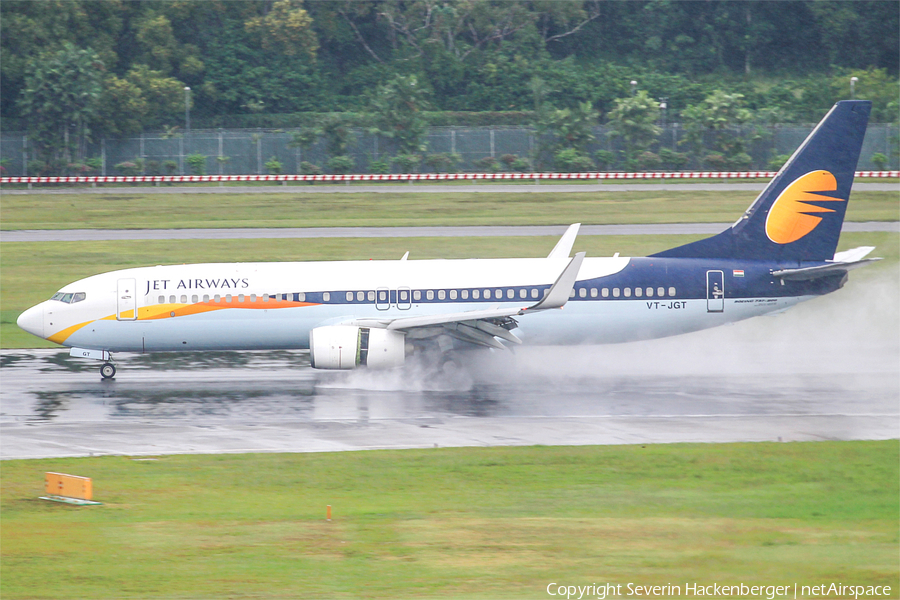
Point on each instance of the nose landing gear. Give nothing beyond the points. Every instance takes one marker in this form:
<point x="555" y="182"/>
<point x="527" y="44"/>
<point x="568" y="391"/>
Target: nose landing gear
<point x="108" y="371"/>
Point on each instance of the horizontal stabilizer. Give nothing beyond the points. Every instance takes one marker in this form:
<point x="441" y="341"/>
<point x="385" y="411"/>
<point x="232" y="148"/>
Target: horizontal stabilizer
<point x="843" y="262"/>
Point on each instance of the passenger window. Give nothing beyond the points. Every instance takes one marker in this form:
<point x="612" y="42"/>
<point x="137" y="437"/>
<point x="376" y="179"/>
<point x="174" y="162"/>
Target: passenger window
<point x="582" y="293"/>
<point x="360" y="296"/>
<point x="649" y="292"/>
<point x="240" y="298"/>
<point x="476" y="294"/>
<point x="206" y="297"/>
<point x="487" y="294"/>
<point x="638" y="292"/>
<point x="417" y="295"/>
<point x="628" y="292"/>
<point x="218" y="298"/>
<point x="510" y="293"/>
<point x="593" y="292"/>
<point x="162" y="300"/>
<point x="349" y="296"/>
<point x="605" y="292"/>
<point x="523" y="293"/>
<point x="194" y="299"/>
<point x="660" y="291"/>
<point x="252" y="298"/>
<point x="534" y="292"/>
<point x="404" y="295"/>
<point x="326" y="296"/>
<point x="615" y="292"/>
<point x="171" y="299"/>
<point x="227" y="297"/>
<point x="671" y="291"/>
<point x="464" y="294"/>
<point x="301" y="297"/>
<point x="442" y="294"/>
<point x="453" y="294"/>
<point x="429" y="295"/>
<point x="572" y="293"/>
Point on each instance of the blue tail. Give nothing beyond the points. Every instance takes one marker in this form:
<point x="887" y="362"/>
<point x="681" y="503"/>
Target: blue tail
<point x="798" y="216"/>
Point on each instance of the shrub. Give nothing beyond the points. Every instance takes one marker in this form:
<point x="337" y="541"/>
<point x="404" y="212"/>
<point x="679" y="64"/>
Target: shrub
<point x="777" y="161"/>
<point x="307" y="168"/>
<point x="170" y="166"/>
<point x="380" y="166"/>
<point x="438" y="162"/>
<point x="408" y="163"/>
<point x="739" y="162"/>
<point x="522" y="165"/>
<point x="508" y="160"/>
<point x="341" y="165"/>
<point x="715" y="162"/>
<point x="605" y="159"/>
<point x="197" y="163"/>
<point x="673" y="160"/>
<point x="488" y="164"/>
<point x="571" y="160"/>
<point x="274" y="166"/>
<point x="648" y="161"/>
<point x="128" y="168"/>
<point x="152" y="167"/>
<point x="880" y="161"/>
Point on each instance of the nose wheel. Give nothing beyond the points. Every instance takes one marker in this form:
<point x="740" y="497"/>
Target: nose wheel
<point x="108" y="371"/>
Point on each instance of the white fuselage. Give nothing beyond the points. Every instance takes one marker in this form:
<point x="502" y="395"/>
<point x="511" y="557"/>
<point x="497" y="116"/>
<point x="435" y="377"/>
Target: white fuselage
<point x="275" y="305"/>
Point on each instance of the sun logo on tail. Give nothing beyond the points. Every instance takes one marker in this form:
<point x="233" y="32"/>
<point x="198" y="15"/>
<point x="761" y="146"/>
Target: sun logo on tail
<point x="789" y="218"/>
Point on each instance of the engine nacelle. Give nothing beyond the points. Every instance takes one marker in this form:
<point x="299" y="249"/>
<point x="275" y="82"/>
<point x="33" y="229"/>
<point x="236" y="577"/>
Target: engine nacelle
<point x="349" y="346"/>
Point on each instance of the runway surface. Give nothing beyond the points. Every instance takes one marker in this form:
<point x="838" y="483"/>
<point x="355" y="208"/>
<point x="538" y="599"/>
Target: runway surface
<point x="93" y="235"/>
<point x="826" y="370"/>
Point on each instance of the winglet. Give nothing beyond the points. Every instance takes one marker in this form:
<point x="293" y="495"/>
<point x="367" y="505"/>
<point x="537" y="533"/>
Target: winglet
<point x="559" y="291"/>
<point x="565" y="243"/>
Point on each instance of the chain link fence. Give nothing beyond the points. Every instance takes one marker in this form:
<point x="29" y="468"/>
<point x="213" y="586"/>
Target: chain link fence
<point x="246" y="152"/>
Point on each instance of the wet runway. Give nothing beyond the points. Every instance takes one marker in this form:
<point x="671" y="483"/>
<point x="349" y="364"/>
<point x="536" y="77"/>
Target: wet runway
<point x="828" y="369"/>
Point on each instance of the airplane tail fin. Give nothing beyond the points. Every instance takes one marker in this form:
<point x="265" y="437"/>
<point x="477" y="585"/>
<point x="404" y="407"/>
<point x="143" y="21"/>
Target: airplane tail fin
<point x="799" y="214"/>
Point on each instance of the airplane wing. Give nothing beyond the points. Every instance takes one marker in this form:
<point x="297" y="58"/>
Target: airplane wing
<point x="843" y="262"/>
<point x="483" y="326"/>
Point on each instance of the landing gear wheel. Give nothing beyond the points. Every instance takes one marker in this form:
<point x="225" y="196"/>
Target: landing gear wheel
<point x="108" y="371"/>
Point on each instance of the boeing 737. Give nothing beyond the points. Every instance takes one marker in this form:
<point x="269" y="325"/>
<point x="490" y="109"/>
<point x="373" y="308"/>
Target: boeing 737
<point x="377" y="313"/>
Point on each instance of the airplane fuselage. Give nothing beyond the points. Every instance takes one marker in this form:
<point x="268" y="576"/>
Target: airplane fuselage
<point x="245" y="306"/>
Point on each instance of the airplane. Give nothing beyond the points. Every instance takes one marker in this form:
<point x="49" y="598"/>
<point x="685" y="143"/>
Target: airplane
<point x="376" y="314"/>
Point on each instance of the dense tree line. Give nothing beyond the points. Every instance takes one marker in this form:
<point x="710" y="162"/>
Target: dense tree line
<point x="73" y="69"/>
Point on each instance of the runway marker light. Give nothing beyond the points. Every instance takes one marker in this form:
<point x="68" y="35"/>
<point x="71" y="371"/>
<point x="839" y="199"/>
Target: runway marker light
<point x="328" y="513"/>
<point x="71" y="489"/>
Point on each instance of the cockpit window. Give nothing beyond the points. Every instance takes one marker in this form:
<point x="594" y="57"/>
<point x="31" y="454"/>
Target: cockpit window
<point x="69" y="298"/>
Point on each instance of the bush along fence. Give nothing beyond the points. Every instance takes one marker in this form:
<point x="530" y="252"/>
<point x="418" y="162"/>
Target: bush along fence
<point x="446" y="150"/>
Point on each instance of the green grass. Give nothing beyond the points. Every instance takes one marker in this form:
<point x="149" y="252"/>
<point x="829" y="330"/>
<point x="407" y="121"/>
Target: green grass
<point x="496" y="522"/>
<point x="59" y="263"/>
<point x="130" y="211"/>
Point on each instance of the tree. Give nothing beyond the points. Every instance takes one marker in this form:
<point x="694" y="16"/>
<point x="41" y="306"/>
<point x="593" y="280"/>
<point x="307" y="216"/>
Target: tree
<point x="397" y="112"/>
<point x="720" y="114"/>
<point x="60" y="101"/>
<point x="634" y="120"/>
<point x="285" y="29"/>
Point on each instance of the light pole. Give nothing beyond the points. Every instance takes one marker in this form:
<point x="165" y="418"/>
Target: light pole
<point x="663" y="105"/>
<point x="633" y="87"/>
<point x="853" y="81"/>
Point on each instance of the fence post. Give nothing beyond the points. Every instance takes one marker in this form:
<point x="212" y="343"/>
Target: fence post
<point x="25" y="155"/>
<point x="181" y="155"/>
<point x="259" y="153"/>
<point x="492" y="142"/>
<point x="103" y="157"/>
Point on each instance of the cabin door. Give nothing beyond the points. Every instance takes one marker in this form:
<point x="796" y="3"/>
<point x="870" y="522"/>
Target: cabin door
<point x="715" y="291"/>
<point x="126" y="300"/>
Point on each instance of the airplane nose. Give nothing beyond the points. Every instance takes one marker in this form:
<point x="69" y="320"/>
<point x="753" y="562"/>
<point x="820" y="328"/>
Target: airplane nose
<point x="32" y="320"/>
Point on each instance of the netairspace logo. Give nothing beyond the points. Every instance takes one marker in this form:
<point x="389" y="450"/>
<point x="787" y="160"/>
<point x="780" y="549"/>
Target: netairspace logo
<point x="716" y="590"/>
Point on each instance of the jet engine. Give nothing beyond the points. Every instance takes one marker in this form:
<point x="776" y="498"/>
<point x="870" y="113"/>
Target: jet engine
<point x="348" y="347"/>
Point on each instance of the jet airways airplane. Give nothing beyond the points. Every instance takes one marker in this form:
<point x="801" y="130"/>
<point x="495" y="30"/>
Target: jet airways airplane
<point x="377" y="313"/>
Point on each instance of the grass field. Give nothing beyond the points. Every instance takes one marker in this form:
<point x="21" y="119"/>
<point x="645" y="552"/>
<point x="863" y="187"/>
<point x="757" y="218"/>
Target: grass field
<point x="60" y="263"/>
<point x="136" y="211"/>
<point x="473" y="522"/>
